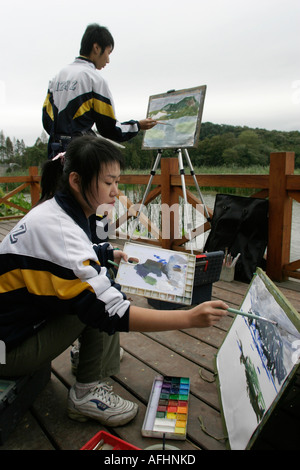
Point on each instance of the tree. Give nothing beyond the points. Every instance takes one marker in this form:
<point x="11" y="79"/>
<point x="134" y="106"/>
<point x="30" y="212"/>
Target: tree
<point x="219" y="144"/>
<point x="9" y="149"/>
<point x="230" y="156"/>
<point x="2" y="146"/>
<point x="34" y="156"/>
<point x="19" y="147"/>
<point x="249" y="138"/>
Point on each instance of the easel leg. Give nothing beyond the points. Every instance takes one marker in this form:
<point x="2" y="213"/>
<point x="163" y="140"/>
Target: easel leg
<point x="181" y="170"/>
<point x="196" y="184"/>
<point x="182" y="175"/>
<point x="152" y="174"/>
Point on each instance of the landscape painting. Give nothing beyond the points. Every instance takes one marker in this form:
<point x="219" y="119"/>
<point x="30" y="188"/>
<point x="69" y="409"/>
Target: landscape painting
<point x="179" y="115"/>
<point x="157" y="273"/>
<point x="256" y="361"/>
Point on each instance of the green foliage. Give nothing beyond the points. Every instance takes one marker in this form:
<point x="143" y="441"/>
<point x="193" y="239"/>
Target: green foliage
<point x="17" y="155"/>
<point x="33" y="156"/>
<point x="219" y="145"/>
<point x="18" y="199"/>
<point x="222" y="144"/>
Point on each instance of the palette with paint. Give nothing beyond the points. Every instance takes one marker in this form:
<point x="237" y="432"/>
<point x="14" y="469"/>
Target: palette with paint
<point x="158" y="273"/>
<point x="167" y="411"/>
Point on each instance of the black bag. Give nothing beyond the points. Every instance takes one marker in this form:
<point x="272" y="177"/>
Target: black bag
<point x="241" y="225"/>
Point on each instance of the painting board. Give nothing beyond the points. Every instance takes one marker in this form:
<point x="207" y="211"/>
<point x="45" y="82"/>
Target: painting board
<point x="179" y="114"/>
<point x="257" y="361"/>
<point x="158" y="273"/>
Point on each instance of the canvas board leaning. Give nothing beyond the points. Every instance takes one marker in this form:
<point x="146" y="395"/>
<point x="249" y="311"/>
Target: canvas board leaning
<point x="256" y="361"/>
<point x="179" y="114"/>
<point x="157" y="273"/>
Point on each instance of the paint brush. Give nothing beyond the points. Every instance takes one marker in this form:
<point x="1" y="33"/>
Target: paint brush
<point x="250" y="315"/>
<point x="164" y="123"/>
<point x="112" y="262"/>
<point x="99" y="445"/>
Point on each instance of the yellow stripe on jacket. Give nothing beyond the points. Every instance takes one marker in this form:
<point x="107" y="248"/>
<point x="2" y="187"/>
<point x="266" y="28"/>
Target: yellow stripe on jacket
<point x="99" y="106"/>
<point x="42" y="283"/>
<point x="48" y="106"/>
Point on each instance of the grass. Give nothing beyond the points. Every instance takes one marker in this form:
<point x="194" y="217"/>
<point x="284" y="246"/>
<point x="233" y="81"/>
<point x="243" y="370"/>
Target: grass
<point x="217" y="170"/>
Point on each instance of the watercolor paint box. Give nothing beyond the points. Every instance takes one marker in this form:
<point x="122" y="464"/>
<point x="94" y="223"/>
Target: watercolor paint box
<point x="208" y="268"/>
<point x="167" y="410"/>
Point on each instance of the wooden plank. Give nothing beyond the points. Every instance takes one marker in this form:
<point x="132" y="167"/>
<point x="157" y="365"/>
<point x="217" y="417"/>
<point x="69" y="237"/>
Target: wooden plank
<point x="169" y="200"/>
<point x="28" y="435"/>
<point x="132" y="431"/>
<point x="213" y="335"/>
<point x="35" y="189"/>
<point x="126" y="389"/>
<point x="293" y="183"/>
<point x="226" y="295"/>
<point x="167" y="362"/>
<point x="50" y="408"/>
<point x="280" y="214"/>
<point x="139" y="376"/>
<point x="235" y="286"/>
<point x="201" y="353"/>
<point x="234" y="292"/>
<point x="228" y="181"/>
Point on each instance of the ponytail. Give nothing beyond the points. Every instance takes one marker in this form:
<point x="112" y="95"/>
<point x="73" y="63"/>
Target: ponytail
<point x="51" y="177"/>
<point x="85" y="155"/>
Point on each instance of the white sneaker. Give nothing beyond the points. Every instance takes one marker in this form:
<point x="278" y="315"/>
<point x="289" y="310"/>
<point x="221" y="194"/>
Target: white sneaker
<point x="101" y="404"/>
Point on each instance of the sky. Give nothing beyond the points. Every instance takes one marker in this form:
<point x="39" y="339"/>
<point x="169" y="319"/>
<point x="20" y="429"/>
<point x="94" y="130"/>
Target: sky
<point x="246" y="53"/>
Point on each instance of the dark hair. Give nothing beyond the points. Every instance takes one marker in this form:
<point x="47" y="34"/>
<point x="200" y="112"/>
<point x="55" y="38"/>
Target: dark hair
<point x="95" y="33"/>
<point x="85" y="155"/>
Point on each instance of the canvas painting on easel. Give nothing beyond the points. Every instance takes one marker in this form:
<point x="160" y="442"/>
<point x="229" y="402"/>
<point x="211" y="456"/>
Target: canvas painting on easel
<point x="157" y="273"/>
<point x="179" y="115"/>
<point x="257" y="361"/>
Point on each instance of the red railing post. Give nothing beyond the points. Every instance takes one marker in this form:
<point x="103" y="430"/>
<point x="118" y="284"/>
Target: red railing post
<point x="280" y="214"/>
<point x="34" y="185"/>
<point x="169" y="203"/>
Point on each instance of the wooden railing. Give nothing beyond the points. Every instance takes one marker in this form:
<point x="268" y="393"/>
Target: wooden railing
<point x="33" y="181"/>
<point x="280" y="186"/>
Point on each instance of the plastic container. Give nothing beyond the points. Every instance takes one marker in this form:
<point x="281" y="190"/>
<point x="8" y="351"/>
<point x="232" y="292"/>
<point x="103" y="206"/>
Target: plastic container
<point x="115" y="442"/>
<point x="227" y="273"/>
<point x="17" y="396"/>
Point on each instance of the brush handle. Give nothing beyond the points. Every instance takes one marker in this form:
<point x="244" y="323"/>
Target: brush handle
<point x="250" y="315"/>
<point x="113" y="263"/>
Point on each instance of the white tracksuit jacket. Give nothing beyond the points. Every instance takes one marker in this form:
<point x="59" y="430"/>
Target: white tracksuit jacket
<point x="49" y="266"/>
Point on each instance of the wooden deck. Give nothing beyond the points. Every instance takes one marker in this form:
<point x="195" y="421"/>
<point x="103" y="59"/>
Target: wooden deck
<point x="46" y="426"/>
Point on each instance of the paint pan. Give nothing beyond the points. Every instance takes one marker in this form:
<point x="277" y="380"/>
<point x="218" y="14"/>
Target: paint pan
<point x="167" y="410"/>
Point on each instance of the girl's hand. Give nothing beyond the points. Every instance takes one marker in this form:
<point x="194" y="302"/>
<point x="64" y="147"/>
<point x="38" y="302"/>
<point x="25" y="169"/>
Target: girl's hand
<point x="201" y="316"/>
<point x="208" y="313"/>
<point x="118" y="255"/>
